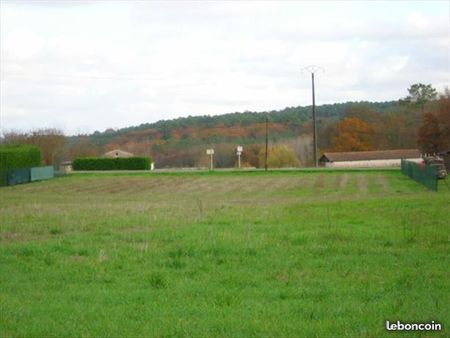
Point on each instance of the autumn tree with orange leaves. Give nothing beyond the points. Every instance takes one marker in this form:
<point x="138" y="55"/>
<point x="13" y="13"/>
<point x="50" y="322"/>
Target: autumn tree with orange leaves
<point x="353" y="134"/>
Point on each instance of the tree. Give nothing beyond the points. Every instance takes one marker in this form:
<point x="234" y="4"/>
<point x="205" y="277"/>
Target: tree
<point x="83" y="148"/>
<point x="420" y="94"/>
<point x="302" y="146"/>
<point x="443" y="115"/>
<point x="430" y="135"/>
<point x="251" y="155"/>
<point x="434" y="132"/>
<point x="353" y="134"/>
<point x="280" y="156"/>
<point x="50" y="141"/>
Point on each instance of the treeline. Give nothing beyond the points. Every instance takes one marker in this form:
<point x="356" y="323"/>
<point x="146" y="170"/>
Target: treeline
<point x="290" y="116"/>
<point x="421" y="119"/>
<point x="182" y="142"/>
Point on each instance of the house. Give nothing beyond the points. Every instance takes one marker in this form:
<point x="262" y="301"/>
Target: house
<point x="117" y="153"/>
<point x="369" y="159"/>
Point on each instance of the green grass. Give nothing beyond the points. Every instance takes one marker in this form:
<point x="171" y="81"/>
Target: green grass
<point x="327" y="253"/>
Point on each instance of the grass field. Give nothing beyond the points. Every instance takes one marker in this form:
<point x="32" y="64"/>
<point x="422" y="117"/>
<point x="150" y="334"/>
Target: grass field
<point x="223" y="255"/>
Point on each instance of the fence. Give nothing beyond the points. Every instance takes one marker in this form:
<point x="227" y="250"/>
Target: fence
<point x="41" y="173"/>
<point x="421" y="173"/>
<point x="25" y="175"/>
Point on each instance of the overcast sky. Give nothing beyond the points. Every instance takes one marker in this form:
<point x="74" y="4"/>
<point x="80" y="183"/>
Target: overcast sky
<point x="85" y="66"/>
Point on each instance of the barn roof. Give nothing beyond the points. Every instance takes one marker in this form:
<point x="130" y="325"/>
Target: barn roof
<point x="370" y="155"/>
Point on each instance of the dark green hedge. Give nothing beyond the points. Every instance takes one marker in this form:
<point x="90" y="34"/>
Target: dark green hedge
<point x="100" y="163"/>
<point x="19" y="156"/>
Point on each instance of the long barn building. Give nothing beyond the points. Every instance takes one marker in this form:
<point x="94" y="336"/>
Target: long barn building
<point x="369" y="159"/>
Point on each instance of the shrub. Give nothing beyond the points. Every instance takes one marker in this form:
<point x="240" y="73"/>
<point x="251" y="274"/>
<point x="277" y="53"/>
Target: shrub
<point x="100" y="163"/>
<point x="279" y="156"/>
<point x="19" y="156"/>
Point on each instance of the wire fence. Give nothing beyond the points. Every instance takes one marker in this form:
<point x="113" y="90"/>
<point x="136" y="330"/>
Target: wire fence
<point x="421" y="173"/>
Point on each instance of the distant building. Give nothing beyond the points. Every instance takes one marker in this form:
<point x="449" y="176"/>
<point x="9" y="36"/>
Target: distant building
<point x="117" y="153"/>
<point x="65" y="167"/>
<point x="369" y="159"/>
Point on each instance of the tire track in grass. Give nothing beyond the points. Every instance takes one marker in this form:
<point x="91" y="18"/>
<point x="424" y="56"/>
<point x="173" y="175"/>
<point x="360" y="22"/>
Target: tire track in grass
<point x="192" y="185"/>
<point x="238" y="185"/>
<point x="252" y="185"/>
<point x="232" y="185"/>
<point x="343" y="181"/>
<point x="296" y="185"/>
<point x="228" y="185"/>
<point x="134" y="187"/>
<point x="382" y="181"/>
<point x="362" y="184"/>
<point x="102" y="186"/>
<point x="115" y="187"/>
<point x="319" y="183"/>
<point x="284" y="185"/>
<point x="77" y="187"/>
<point x="150" y="186"/>
<point x="337" y="182"/>
<point x="267" y="185"/>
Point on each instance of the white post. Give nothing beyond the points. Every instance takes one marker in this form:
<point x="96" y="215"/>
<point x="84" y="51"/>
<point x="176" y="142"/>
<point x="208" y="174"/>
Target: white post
<point x="210" y="152"/>
<point x="239" y="150"/>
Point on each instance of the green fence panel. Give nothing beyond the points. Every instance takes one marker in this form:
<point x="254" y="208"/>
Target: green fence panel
<point x="421" y="173"/>
<point x="25" y="175"/>
<point x="41" y="173"/>
<point x="18" y="176"/>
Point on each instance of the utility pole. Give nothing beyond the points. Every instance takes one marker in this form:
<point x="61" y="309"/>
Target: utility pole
<point x="313" y="70"/>
<point x="267" y="143"/>
<point x="314" y="120"/>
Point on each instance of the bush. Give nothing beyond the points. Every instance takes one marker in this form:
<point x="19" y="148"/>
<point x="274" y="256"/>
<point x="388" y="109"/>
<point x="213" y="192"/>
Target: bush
<point x="19" y="156"/>
<point x="279" y="156"/>
<point x="100" y="163"/>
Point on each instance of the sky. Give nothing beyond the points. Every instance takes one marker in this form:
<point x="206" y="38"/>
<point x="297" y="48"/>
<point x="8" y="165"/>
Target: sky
<point x="82" y="66"/>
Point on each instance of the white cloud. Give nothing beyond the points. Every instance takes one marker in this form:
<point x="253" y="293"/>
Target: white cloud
<point x="98" y="65"/>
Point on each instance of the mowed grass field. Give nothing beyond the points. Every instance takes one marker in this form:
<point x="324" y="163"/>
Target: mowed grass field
<point x="223" y="255"/>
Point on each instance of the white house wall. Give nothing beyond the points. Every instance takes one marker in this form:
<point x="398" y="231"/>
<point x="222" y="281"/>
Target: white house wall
<point x="369" y="163"/>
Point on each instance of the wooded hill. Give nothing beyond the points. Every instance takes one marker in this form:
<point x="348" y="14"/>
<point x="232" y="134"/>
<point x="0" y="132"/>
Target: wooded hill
<point x="182" y="142"/>
<point x="290" y="116"/>
<point x="421" y="119"/>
